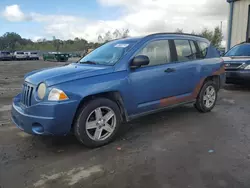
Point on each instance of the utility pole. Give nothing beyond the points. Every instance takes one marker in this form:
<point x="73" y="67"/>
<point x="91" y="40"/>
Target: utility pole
<point x="221" y="26"/>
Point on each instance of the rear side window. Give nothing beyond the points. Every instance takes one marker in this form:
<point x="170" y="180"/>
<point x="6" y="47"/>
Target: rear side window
<point x="203" y="49"/>
<point x="158" y="52"/>
<point x="183" y="50"/>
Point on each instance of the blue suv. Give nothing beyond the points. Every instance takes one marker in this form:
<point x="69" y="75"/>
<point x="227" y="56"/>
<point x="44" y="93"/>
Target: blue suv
<point x="119" y="81"/>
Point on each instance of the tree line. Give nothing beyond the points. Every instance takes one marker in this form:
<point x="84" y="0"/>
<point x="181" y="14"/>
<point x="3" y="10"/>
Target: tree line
<point x="215" y="36"/>
<point x="13" y="42"/>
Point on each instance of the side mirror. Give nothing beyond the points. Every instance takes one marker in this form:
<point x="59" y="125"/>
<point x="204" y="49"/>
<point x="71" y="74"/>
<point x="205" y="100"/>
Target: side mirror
<point x="139" y="61"/>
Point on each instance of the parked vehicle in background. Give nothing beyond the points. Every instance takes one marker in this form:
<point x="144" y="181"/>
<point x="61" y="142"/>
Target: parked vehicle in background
<point x="222" y="51"/>
<point x="119" y="81"/>
<point x="61" y="57"/>
<point x="32" y="56"/>
<point x="27" y="55"/>
<point x="237" y="64"/>
<point x="19" y="55"/>
<point x="5" y="55"/>
<point x="75" y="55"/>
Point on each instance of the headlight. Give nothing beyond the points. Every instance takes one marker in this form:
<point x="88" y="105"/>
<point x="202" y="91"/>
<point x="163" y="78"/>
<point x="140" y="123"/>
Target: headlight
<point x="57" y="95"/>
<point x="247" y="67"/>
<point x="41" y="91"/>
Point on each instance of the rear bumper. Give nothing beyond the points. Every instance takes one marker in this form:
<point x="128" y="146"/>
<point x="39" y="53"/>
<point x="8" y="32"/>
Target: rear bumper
<point x="242" y="76"/>
<point x="222" y="80"/>
<point x="44" y="119"/>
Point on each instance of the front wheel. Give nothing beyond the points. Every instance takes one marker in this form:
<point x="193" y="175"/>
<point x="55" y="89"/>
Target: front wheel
<point x="207" y="97"/>
<point x="97" y="122"/>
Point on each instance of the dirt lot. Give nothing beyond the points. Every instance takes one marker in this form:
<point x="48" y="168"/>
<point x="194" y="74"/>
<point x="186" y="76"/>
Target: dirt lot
<point x="178" y="148"/>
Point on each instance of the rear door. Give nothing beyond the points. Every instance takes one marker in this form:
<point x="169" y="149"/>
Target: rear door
<point x="187" y="66"/>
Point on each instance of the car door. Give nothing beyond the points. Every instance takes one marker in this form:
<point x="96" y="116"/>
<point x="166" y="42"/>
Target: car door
<point x="152" y="83"/>
<point x="187" y="67"/>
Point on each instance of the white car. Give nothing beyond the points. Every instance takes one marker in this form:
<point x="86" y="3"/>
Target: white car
<point x="20" y="55"/>
<point x="32" y="55"/>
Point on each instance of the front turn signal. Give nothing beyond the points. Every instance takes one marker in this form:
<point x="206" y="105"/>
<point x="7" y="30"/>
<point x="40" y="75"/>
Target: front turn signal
<point x="57" y="95"/>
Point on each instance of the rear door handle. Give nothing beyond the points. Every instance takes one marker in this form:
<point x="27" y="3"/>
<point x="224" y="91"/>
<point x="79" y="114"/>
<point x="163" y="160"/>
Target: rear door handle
<point x="168" y="70"/>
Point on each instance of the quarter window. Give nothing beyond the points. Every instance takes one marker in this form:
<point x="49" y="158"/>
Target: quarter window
<point x="203" y="49"/>
<point x="183" y="50"/>
<point x="158" y="52"/>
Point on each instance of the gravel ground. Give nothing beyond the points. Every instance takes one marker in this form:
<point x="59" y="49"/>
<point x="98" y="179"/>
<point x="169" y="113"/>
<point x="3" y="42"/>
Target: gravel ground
<point x="173" y="149"/>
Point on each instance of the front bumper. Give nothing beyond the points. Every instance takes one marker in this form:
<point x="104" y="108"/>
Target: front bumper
<point x="44" y="118"/>
<point x="20" y="57"/>
<point x="241" y="76"/>
<point x="6" y="58"/>
<point x="33" y="57"/>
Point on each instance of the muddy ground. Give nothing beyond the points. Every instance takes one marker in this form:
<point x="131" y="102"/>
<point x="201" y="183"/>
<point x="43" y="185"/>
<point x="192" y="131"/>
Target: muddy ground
<point x="173" y="149"/>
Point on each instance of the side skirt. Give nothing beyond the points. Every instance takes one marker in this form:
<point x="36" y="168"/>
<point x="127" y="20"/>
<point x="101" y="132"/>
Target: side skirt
<point x="132" y="117"/>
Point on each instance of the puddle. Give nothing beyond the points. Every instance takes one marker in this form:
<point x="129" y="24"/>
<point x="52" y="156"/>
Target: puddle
<point x="70" y="177"/>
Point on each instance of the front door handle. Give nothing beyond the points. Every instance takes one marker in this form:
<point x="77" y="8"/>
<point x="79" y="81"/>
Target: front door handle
<point x="168" y="70"/>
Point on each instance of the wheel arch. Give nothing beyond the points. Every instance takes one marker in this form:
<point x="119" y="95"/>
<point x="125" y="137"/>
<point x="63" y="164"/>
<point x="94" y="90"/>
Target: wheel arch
<point x="112" y="95"/>
<point x="215" y="79"/>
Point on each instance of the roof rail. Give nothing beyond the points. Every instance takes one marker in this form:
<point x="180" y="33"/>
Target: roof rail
<point x="187" y="34"/>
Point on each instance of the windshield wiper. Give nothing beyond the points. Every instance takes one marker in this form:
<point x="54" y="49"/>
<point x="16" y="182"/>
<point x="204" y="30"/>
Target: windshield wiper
<point x="88" y="62"/>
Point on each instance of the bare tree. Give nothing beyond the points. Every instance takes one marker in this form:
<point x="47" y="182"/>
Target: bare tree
<point x="179" y="30"/>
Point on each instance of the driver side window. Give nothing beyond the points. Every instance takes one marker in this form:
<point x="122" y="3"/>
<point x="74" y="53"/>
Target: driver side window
<point x="158" y="52"/>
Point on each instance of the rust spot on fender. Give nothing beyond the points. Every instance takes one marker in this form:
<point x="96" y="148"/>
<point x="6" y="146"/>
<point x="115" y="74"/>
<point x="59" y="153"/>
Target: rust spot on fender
<point x="220" y="71"/>
<point x="197" y="89"/>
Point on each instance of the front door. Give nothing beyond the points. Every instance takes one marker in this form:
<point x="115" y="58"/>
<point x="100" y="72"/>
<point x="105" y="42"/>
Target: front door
<point x="156" y="81"/>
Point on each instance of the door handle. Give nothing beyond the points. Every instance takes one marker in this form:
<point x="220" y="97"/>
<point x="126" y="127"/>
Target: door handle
<point x="168" y="70"/>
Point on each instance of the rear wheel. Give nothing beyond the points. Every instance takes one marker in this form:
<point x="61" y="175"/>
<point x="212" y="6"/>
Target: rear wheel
<point x="97" y="123"/>
<point x="207" y="97"/>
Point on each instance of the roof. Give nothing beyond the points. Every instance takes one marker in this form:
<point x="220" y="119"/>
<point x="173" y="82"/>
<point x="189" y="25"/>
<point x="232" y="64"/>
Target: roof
<point x="187" y="35"/>
<point x="159" y="34"/>
<point x="176" y="34"/>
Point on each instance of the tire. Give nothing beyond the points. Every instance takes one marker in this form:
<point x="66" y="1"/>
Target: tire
<point x="201" y="105"/>
<point x="91" y="110"/>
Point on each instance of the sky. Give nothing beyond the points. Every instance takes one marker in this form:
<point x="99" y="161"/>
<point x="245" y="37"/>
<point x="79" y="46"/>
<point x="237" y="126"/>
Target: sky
<point x="68" y="19"/>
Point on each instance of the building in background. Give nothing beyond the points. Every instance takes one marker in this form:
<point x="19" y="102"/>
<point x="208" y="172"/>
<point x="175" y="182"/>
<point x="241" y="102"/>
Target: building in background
<point x="239" y="22"/>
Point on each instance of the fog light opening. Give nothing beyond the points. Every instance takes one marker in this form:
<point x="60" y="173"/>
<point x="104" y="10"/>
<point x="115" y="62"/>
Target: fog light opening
<point x="37" y="128"/>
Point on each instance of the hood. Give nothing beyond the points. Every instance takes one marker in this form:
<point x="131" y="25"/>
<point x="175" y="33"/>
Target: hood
<point x="236" y="59"/>
<point x="53" y="76"/>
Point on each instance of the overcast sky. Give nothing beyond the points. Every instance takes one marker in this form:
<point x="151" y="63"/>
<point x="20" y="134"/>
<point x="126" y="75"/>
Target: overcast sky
<point x="88" y="18"/>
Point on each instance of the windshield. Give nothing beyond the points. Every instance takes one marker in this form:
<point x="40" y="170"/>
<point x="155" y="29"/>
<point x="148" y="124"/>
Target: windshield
<point x="240" y="50"/>
<point x="108" y="54"/>
<point x="20" y="53"/>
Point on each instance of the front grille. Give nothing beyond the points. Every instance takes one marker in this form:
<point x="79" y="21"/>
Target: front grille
<point x="232" y="66"/>
<point x="27" y="94"/>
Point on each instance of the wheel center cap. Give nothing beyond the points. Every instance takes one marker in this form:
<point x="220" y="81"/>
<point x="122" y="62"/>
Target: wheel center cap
<point x="101" y="122"/>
